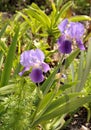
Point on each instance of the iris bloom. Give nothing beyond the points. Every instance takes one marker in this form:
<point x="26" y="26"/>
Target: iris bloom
<point x="72" y="32"/>
<point x="34" y="59"/>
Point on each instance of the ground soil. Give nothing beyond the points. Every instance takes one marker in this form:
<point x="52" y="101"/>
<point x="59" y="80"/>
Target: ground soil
<point x="79" y="121"/>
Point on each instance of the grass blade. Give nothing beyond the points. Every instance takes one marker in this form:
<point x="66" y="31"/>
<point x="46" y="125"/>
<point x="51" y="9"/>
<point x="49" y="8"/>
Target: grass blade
<point x="9" y="60"/>
<point x="3" y="30"/>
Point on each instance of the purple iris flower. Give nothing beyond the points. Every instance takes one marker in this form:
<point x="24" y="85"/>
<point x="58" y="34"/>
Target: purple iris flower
<point x="34" y="59"/>
<point x="71" y="32"/>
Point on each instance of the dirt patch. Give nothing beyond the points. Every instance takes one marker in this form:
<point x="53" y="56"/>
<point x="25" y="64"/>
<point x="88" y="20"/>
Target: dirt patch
<point x="79" y="121"/>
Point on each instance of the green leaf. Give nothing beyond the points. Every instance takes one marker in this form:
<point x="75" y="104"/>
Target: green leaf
<point x="80" y="70"/>
<point x="32" y="22"/>
<point x="80" y="18"/>
<point x="59" y="3"/>
<point x="35" y="12"/>
<point x="70" y="58"/>
<point x="25" y="17"/>
<point x="49" y="81"/>
<point x="9" y="60"/>
<point x="60" y="101"/>
<point x="87" y="37"/>
<point x="43" y="105"/>
<point x="87" y="67"/>
<point x="1" y="58"/>
<point x="44" y="17"/>
<point x="3" y="47"/>
<point x="7" y="89"/>
<point x="68" y="85"/>
<point x="69" y="106"/>
<point x="64" y="9"/>
<point x="3" y="30"/>
<point x="45" y="101"/>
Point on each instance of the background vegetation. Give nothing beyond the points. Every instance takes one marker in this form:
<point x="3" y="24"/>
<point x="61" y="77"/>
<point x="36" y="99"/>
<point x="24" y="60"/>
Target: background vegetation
<point x="26" y="25"/>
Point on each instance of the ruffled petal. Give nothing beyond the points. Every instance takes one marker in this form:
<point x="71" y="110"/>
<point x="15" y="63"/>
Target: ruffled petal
<point x="65" y="47"/>
<point x="75" y="30"/>
<point x="62" y="26"/>
<point x="45" y="67"/>
<point x="36" y="75"/>
<point x="24" y="58"/>
<point x="31" y="58"/>
<point x="80" y="44"/>
<point x="40" y="55"/>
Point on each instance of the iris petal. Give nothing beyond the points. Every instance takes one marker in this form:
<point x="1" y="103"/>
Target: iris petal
<point x="75" y="30"/>
<point x="45" y="67"/>
<point x="80" y="44"/>
<point x="32" y="57"/>
<point x="65" y="47"/>
<point x="40" y="55"/>
<point x="36" y="75"/>
<point x="24" y="70"/>
<point x="24" y="58"/>
<point x="62" y="26"/>
<point x="60" y="40"/>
